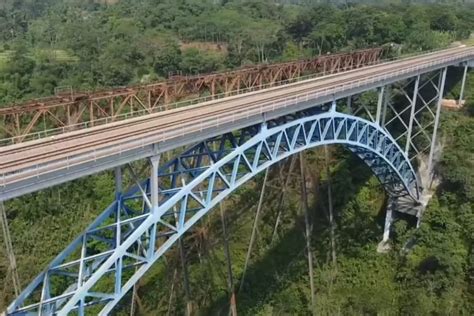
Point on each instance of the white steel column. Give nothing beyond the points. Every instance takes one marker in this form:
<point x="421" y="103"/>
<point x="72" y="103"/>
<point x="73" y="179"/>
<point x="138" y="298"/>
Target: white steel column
<point x="9" y="249"/>
<point x="412" y="114"/>
<point x="385" y="105"/>
<point x="436" y="123"/>
<point x="463" y="84"/>
<point x="388" y="220"/>
<point x="379" y="105"/>
<point x="384" y="245"/>
<point x="155" y="162"/>
<point x="254" y="230"/>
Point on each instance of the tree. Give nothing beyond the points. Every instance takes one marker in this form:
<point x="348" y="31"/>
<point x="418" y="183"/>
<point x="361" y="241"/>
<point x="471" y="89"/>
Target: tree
<point x="160" y="51"/>
<point x="327" y="36"/>
<point x="262" y="35"/>
<point x="195" y="61"/>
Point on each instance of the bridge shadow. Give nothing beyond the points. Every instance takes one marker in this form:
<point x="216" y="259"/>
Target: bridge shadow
<point x="284" y="263"/>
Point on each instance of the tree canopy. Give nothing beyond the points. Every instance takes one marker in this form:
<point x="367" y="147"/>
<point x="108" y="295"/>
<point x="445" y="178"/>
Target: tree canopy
<point x="91" y="44"/>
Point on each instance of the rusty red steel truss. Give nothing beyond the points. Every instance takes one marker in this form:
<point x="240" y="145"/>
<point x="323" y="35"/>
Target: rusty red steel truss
<point x="65" y="112"/>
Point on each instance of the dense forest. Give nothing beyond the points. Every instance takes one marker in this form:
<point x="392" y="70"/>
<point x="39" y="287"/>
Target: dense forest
<point x="88" y="45"/>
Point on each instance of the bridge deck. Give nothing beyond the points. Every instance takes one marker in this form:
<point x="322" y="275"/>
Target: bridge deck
<point x="102" y="147"/>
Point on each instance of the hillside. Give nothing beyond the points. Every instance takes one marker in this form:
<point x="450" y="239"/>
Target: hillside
<point x="87" y="46"/>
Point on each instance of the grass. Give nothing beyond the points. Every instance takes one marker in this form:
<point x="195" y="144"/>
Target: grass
<point x="58" y="55"/>
<point x="5" y="57"/>
<point x="53" y="54"/>
<point x="469" y="41"/>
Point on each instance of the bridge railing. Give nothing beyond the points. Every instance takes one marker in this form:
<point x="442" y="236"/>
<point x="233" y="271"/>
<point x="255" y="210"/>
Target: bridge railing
<point x="107" y="120"/>
<point x="213" y="122"/>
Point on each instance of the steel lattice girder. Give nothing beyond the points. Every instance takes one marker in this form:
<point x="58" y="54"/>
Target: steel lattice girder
<point x="66" y="111"/>
<point x="103" y="264"/>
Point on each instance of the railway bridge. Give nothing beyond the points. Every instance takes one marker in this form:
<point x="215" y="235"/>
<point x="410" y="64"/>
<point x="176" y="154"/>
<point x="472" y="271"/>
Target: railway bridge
<point x="227" y="140"/>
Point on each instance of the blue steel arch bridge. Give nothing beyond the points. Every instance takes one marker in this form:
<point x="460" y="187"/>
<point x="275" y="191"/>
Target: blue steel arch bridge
<point x="226" y="143"/>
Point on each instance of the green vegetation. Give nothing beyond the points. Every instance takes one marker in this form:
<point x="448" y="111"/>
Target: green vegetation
<point x="88" y="45"/>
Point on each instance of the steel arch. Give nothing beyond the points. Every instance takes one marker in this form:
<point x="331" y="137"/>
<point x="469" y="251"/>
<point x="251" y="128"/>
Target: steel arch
<point x="113" y="253"/>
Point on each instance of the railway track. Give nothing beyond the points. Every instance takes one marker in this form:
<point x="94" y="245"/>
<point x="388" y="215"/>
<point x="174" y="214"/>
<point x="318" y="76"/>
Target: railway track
<point x="24" y="155"/>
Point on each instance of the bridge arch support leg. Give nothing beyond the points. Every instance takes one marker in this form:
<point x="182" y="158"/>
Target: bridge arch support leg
<point x="145" y="221"/>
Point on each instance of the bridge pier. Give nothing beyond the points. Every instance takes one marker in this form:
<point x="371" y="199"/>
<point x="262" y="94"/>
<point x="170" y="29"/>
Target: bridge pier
<point x="384" y="245"/>
<point x="401" y="205"/>
<point x="388" y="224"/>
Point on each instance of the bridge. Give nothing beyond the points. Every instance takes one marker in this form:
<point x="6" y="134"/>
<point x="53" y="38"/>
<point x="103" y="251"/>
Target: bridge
<point x="226" y="141"/>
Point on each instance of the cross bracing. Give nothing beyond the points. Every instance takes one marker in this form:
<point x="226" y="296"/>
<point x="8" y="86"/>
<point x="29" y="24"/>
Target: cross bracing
<point x="407" y="109"/>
